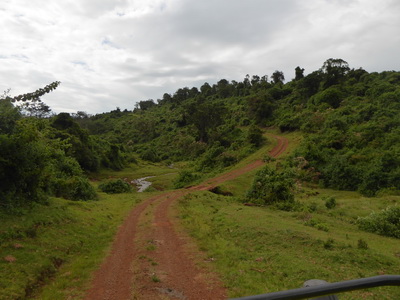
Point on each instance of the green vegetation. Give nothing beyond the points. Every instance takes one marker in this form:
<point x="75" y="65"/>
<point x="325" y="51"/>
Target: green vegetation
<point x="330" y="202"/>
<point x="260" y="249"/>
<point x="386" y="222"/>
<point x="271" y="186"/>
<point x="116" y="186"/>
<point x="343" y="126"/>
<point x="47" y="157"/>
<point x="50" y="251"/>
<point x="350" y="119"/>
<point x="185" y="178"/>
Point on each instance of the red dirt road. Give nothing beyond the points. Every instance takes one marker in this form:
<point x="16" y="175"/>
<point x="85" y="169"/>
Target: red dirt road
<point x="153" y="258"/>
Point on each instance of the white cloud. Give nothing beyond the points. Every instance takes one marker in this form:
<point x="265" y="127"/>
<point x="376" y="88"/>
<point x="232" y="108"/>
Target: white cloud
<point x="110" y="53"/>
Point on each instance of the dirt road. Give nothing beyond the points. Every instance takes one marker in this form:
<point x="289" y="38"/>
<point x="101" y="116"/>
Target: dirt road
<point x="153" y="258"/>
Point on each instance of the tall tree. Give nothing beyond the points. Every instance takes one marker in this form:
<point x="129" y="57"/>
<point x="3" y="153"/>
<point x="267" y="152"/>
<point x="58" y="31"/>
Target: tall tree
<point x="334" y="69"/>
<point x="278" y="77"/>
<point x="299" y="73"/>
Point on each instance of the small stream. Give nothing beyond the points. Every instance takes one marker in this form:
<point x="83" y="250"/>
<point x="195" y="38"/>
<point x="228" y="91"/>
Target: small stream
<point x="142" y="183"/>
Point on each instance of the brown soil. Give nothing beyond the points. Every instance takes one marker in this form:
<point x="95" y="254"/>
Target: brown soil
<point x="153" y="258"/>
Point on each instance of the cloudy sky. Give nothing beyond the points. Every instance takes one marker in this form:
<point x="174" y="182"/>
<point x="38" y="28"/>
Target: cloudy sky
<point x="113" y="53"/>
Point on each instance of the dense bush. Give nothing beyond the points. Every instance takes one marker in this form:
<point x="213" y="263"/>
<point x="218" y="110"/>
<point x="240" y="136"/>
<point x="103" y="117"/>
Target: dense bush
<point x="116" y="186"/>
<point x="77" y="188"/>
<point x="385" y="222"/>
<point x="271" y="186"/>
<point x="33" y="166"/>
<point x="23" y="160"/>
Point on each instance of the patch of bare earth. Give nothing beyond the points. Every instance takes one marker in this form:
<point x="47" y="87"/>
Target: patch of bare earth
<point x="153" y="258"/>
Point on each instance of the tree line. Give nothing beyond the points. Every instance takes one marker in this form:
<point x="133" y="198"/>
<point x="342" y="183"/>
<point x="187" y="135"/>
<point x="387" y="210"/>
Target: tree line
<point x="350" y="119"/>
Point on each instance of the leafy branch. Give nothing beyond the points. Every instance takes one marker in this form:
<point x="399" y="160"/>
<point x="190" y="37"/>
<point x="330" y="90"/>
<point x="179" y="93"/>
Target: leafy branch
<point x="35" y="96"/>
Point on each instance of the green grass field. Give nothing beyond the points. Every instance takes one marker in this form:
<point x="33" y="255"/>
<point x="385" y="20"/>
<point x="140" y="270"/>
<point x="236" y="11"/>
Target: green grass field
<point x="259" y="250"/>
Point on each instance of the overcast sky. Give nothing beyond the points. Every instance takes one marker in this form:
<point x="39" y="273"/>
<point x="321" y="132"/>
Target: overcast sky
<point x="113" y="53"/>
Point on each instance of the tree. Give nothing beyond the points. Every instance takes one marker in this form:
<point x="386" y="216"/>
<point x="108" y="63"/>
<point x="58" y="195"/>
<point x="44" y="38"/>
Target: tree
<point x="165" y="99"/>
<point x="260" y="108"/>
<point x="246" y="81"/>
<point x="23" y="162"/>
<point x="36" y="109"/>
<point x="193" y="92"/>
<point x="8" y="116"/>
<point x="145" y="105"/>
<point x="33" y="105"/>
<point x="223" y="88"/>
<point x="35" y="96"/>
<point x="334" y="70"/>
<point x="205" y="117"/>
<point x="255" y="79"/>
<point x="206" y="89"/>
<point x="299" y="73"/>
<point x="81" y="115"/>
<point x="254" y="136"/>
<point x="181" y="95"/>
<point x="310" y="84"/>
<point x="278" y="77"/>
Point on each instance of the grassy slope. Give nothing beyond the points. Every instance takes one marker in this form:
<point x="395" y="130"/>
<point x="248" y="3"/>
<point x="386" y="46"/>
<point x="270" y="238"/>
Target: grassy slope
<point x="259" y="250"/>
<point x="57" y="246"/>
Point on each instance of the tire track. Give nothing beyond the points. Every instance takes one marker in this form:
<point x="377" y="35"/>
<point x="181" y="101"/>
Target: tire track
<point x="151" y="258"/>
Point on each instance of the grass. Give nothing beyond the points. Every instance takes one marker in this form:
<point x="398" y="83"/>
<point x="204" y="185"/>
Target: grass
<point x="50" y="252"/>
<point x="53" y="249"/>
<point x="258" y="250"/>
<point x="162" y="180"/>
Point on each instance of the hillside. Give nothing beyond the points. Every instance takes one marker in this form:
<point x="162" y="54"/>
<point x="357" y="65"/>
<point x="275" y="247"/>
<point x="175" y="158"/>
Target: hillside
<point x="67" y="182"/>
<point x="350" y="119"/>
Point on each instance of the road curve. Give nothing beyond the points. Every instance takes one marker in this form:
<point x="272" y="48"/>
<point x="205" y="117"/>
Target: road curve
<point x="151" y="258"/>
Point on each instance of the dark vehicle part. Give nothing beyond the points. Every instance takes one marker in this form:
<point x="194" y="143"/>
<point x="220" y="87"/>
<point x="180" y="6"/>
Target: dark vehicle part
<point x="323" y="289"/>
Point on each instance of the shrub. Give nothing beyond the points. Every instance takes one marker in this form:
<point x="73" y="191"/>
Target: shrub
<point x="330" y="202"/>
<point x="271" y="186"/>
<point x="77" y="188"/>
<point x="317" y="225"/>
<point x="116" y="186"/>
<point x="150" y="155"/>
<point x="385" y="222"/>
<point x="185" y="178"/>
